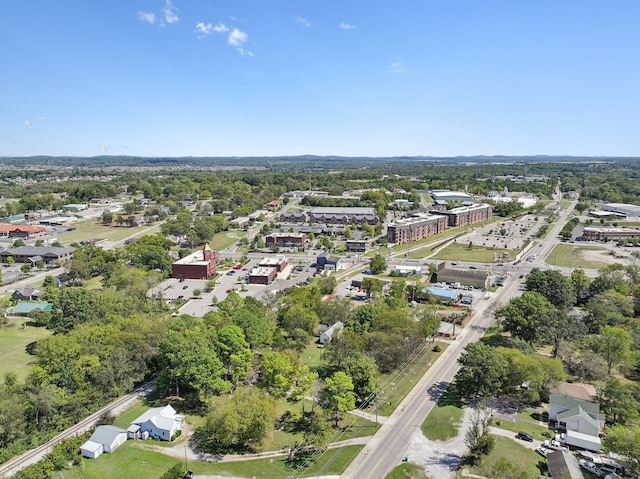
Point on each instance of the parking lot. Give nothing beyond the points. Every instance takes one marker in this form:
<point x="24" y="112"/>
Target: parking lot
<point x="233" y="278"/>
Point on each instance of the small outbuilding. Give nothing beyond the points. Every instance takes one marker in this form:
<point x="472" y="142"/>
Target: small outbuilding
<point x="103" y="439"/>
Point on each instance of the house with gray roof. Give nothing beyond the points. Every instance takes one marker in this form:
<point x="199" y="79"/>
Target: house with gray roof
<point x="104" y="439"/>
<point x="158" y="422"/>
<point x="563" y="465"/>
<point x="576" y="415"/>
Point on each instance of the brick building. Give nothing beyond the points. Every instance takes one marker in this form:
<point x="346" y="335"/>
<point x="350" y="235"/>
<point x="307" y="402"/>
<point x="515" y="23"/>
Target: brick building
<point x="279" y="263"/>
<point x="262" y="275"/>
<point x="414" y="228"/>
<point x="467" y="215"/>
<point x="286" y="239"/>
<point x="199" y="265"/>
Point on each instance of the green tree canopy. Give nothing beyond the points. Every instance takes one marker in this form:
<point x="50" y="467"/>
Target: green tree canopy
<point x="237" y="423"/>
<point x="481" y="372"/>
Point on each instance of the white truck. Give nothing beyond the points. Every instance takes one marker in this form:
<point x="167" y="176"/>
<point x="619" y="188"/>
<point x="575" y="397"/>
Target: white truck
<point x="579" y="440"/>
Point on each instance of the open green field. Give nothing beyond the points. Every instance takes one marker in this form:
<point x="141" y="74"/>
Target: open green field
<point x="406" y="471"/>
<point x="13" y="340"/>
<point x="224" y="239"/>
<point x="508" y="451"/>
<point x="462" y="252"/>
<point x="443" y="421"/>
<point x="583" y="257"/>
<point x="90" y="229"/>
<point x="133" y="460"/>
<point x="395" y="386"/>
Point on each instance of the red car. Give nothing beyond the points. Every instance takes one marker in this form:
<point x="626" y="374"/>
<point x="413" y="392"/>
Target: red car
<point x="238" y="266"/>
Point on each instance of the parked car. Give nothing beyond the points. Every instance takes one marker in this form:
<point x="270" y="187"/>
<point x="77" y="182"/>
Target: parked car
<point x="524" y="436"/>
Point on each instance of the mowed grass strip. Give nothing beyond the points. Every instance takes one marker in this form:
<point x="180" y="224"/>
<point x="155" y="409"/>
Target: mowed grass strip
<point x="13" y="341"/>
<point x="395" y="386"/>
<point x="331" y="462"/>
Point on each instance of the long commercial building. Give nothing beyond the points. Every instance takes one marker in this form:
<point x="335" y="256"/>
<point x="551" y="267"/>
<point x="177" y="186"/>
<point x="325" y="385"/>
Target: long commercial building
<point x="420" y="226"/>
<point x="331" y="215"/>
<point x="608" y="233"/>
<point x="467" y="215"/>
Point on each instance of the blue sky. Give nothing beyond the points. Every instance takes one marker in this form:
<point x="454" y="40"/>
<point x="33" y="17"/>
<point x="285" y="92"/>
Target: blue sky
<point x="332" y="77"/>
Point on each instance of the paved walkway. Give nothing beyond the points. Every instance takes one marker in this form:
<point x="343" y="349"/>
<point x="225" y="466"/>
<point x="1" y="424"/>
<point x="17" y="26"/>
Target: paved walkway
<point x="369" y="416"/>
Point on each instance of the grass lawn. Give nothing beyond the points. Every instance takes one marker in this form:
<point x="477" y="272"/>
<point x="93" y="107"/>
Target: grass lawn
<point x="126" y="462"/>
<point x="508" y="451"/>
<point x="443" y="420"/>
<point x="406" y="471"/>
<point x="331" y="462"/>
<point x="461" y="252"/>
<point x="89" y="229"/>
<point x="583" y="257"/>
<point x="224" y="239"/>
<point x="311" y="355"/>
<point x="525" y="422"/>
<point x="395" y="386"/>
<point x="13" y="340"/>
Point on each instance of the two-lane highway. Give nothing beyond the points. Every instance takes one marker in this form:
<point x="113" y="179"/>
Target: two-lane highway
<point x="389" y="445"/>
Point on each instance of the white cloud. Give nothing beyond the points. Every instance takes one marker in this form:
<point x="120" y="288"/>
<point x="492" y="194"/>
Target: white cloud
<point x="28" y="123"/>
<point x="169" y="10"/>
<point x="221" y="28"/>
<point x="397" y="67"/>
<point x="244" y="53"/>
<point x="346" y="26"/>
<point x="103" y="147"/>
<point x="303" y="21"/>
<point x="42" y="118"/>
<point x="237" y="38"/>
<point x="147" y="17"/>
<point x="204" y="29"/>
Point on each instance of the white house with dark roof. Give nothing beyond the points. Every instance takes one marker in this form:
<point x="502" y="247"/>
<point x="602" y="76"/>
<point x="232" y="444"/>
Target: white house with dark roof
<point x="158" y="422"/>
<point x="104" y="439"/>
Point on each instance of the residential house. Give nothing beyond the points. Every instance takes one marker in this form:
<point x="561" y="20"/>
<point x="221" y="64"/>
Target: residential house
<point x="28" y="293"/>
<point x="327" y="334"/>
<point x="576" y="415"/>
<point x="104" y="439"/>
<point x="158" y="422"/>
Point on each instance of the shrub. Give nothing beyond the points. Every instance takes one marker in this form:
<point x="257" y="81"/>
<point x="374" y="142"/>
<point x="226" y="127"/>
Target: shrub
<point x="437" y="348"/>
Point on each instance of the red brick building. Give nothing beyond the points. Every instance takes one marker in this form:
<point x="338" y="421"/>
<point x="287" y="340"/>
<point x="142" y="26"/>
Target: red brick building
<point x="199" y="265"/>
<point x="262" y="275"/>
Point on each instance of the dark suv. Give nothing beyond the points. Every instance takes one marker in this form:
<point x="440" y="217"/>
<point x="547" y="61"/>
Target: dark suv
<point x="524" y="436"/>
